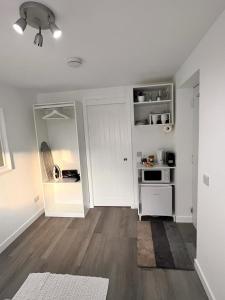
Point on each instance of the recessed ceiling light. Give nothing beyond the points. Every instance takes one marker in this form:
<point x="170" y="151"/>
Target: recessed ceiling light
<point x="74" y="62"/>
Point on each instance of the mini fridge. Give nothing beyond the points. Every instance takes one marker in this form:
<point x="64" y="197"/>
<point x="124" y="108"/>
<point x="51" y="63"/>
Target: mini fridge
<point x="156" y="200"/>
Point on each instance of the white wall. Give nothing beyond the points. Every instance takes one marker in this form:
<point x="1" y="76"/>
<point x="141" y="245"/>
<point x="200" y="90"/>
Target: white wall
<point x="150" y="139"/>
<point x="20" y="186"/>
<point x="63" y="143"/>
<point x="209" y="58"/>
<point x="147" y="140"/>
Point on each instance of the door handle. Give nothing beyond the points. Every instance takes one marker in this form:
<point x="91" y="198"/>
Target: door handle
<point x="125" y="159"/>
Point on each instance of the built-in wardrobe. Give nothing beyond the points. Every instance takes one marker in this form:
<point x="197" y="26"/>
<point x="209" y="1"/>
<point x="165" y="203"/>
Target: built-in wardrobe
<point x="62" y="153"/>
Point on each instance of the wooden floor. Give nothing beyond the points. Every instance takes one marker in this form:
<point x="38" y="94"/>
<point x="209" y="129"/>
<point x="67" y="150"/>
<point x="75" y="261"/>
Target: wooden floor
<point x="103" y="244"/>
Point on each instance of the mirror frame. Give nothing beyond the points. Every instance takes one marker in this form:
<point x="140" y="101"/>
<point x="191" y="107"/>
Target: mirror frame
<point x="4" y="143"/>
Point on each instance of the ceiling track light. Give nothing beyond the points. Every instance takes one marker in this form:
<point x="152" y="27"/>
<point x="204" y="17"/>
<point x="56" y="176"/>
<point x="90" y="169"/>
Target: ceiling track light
<point x="37" y="16"/>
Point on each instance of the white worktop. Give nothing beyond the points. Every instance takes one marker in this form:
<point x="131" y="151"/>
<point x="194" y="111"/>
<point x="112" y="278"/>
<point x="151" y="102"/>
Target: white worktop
<point x="155" y="167"/>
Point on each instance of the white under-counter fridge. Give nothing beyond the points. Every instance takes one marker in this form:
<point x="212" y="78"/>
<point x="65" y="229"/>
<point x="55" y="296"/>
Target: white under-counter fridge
<point x="155" y="200"/>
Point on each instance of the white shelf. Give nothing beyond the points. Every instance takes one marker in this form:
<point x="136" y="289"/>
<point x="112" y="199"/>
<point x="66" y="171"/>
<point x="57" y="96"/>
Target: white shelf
<point x="142" y="110"/>
<point x="154" y="125"/>
<point x="64" y="180"/>
<point x="157" y="184"/>
<point x="152" y="102"/>
<point x="155" y="167"/>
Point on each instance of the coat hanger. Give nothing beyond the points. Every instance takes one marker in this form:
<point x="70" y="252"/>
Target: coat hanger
<point x="55" y="115"/>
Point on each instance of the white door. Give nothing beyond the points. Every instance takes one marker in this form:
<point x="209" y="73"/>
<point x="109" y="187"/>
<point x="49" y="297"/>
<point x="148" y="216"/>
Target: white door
<point x="110" y="154"/>
<point x="195" y="153"/>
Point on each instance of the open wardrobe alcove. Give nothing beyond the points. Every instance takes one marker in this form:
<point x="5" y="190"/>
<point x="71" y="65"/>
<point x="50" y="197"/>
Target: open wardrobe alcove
<point x="63" y="162"/>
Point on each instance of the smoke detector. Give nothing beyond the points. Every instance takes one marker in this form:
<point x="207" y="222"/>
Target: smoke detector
<point x="74" y="62"/>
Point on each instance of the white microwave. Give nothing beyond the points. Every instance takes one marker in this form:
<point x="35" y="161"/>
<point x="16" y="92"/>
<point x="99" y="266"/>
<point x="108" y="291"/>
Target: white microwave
<point x="156" y="175"/>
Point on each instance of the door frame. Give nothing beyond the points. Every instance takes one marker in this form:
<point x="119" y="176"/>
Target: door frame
<point x="106" y="100"/>
<point x="195" y="156"/>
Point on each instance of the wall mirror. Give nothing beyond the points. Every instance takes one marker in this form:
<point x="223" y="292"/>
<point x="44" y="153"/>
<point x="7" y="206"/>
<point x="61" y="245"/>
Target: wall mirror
<point x="5" y="158"/>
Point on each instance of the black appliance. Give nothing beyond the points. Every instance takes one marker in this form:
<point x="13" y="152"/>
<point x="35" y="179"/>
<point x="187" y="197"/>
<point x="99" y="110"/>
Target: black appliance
<point x="73" y="174"/>
<point x="170" y="159"/>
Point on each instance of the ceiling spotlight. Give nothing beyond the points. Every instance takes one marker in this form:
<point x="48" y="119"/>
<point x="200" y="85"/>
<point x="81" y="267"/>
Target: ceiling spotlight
<point x="20" y="25"/>
<point x="56" y="32"/>
<point x="38" y="40"/>
<point x="37" y="16"/>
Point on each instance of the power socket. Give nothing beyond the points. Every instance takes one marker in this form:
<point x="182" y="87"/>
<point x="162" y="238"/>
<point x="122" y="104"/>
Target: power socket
<point x="206" y="179"/>
<point x="36" y="199"/>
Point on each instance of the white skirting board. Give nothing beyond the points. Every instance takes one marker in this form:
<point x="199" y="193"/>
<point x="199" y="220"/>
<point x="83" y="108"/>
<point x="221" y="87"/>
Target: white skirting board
<point x="20" y="230"/>
<point x="64" y="215"/>
<point x="184" y="219"/>
<point x="204" y="281"/>
<point x="134" y="206"/>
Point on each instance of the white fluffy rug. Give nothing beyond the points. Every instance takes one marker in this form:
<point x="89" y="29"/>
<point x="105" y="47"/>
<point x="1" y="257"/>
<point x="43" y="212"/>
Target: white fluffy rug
<point x="47" y="286"/>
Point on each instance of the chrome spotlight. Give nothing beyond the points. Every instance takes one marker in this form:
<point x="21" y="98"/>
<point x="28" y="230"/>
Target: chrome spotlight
<point x="56" y="32"/>
<point x="38" y="40"/>
<point x="20" y="25"/>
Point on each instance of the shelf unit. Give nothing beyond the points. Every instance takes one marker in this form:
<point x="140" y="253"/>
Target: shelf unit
<point x="141" y="167"/>
<point x="64" y="180"/>
<point x="143" y="111"/>
<point x="65" y="136"/>
<point x="155" y="167"/>
<point x="152" y="110"/>
<point x="152" y="102"/>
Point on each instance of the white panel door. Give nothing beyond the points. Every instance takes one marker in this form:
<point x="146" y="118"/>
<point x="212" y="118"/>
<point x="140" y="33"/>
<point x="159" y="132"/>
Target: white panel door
<point x="110" y="154"/>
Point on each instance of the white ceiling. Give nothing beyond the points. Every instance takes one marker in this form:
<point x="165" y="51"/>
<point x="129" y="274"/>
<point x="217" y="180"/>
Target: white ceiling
<point x="121" y="41"/>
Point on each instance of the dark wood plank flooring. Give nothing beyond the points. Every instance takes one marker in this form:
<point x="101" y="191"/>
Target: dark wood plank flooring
<point x="103" y="244"/>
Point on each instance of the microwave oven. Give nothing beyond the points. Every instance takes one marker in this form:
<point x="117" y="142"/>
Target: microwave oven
<point x="156" y="175"/>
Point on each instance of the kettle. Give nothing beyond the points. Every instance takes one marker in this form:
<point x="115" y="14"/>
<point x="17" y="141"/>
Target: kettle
<point x="160" y="156"/>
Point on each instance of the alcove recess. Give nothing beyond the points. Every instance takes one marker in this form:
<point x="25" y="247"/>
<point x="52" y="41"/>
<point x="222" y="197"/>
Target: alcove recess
<point x="157" y="99"/>
<point x="64" y="133"/>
